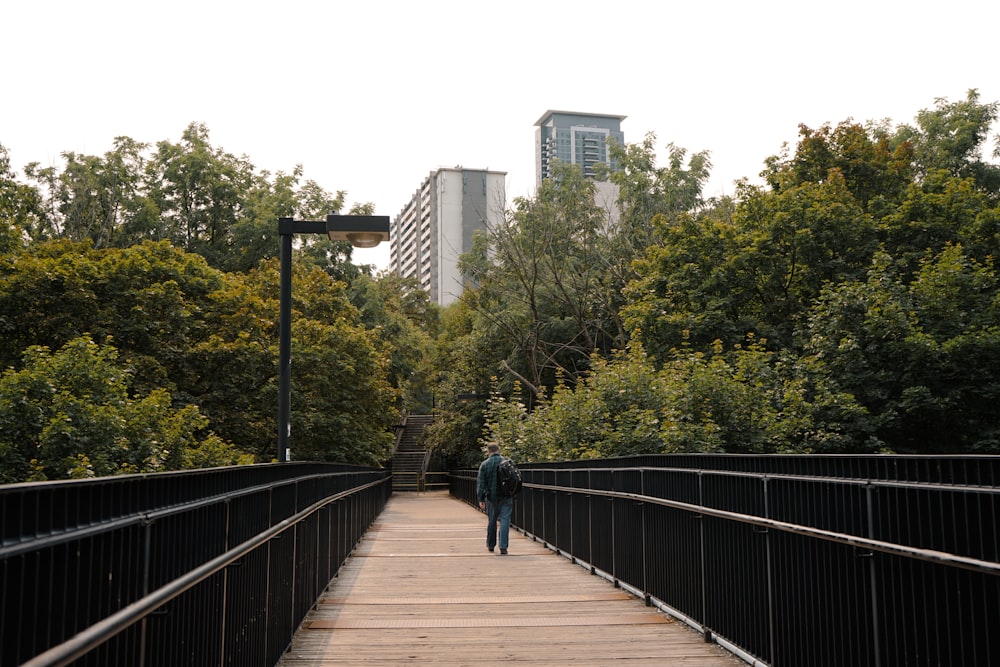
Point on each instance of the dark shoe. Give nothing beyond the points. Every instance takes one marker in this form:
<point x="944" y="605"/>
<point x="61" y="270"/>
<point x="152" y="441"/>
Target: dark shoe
<point x="490" y="550"/>
<point x="503" y="552"/>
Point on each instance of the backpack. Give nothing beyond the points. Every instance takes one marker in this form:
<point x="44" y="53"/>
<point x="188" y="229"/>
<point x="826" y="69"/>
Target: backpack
<point x="508" y="478"/>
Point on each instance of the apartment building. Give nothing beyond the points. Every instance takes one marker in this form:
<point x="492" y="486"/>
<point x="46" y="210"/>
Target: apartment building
<point x="437" y="225"/>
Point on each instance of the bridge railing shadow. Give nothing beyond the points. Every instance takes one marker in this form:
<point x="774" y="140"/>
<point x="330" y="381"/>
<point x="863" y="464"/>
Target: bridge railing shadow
<point x="888" y="560"/>
<point x="208" y="567"/>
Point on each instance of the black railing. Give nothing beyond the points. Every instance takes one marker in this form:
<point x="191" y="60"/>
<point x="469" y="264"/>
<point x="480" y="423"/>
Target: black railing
<point x="213" y="567"/>
<point x="789" y="569"/>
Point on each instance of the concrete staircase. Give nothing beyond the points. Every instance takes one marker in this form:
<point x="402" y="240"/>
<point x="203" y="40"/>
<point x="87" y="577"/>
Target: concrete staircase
<point x="408" y="459"/>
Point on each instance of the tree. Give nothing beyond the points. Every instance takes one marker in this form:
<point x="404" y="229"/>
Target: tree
<point x="717" y="276"/>
<point x="646" y="190"/>
<point x="544" y="297"/>
<point x="951" y="137"/>
<point x="406" y="321"/>
<point x="920" y="357"/>
<point x="69" y="414"/>
<point x="342" y="401"/>
<point x="149" y="299"/>
<point x="746" y="400"/>
<point x="200" y="193"/>
<point x="875" y="169"/>
<point x="20" y="207"/>
<point x="461" y="362"/>
<point x="939" y="210"/>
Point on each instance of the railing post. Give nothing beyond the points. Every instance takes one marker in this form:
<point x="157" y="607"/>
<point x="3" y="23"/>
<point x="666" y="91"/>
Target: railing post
<point x="770" y="580"/>
<point x="614" y="532"/>
<point x="144" y="624"/>
<point x="701" y="549"/>
<point x="873" y="576"/>
<point x="642" y="523"/>
<point x="590" y="519"/>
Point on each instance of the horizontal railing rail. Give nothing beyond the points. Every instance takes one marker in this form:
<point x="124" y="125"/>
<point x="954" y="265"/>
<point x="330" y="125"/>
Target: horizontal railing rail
<point x="784" y="569"/>
<point x="436" y="481"/>
<point x="936" y="469"/>
<point x="407" y="480"/>
<point x="224" y="578"/>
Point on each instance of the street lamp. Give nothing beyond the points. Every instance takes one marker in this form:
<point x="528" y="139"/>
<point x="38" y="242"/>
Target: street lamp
<point x="363" y="231"/>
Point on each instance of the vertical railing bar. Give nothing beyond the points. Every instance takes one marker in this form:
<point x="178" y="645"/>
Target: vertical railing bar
<point x="770" y="579"/>
<point x="873" y="578"/>
<point x="642" y="523"/>
<point x="590" y="518"/>
<point x="701" y="540"/>
<point x="614" y="531"/>
<point x="225" y="585"/>
<point x="147" y="554"/>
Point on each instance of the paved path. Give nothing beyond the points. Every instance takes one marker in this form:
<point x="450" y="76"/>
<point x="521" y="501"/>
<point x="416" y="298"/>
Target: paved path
<point x="421" y="588"/>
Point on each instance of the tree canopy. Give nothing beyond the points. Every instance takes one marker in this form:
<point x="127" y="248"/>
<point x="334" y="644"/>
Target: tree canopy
<point x="152" y="273"/>
<point x="847" y="301"/>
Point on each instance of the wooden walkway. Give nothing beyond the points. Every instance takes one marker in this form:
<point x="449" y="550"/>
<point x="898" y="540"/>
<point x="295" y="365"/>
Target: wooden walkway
<point x="421" y="588"/>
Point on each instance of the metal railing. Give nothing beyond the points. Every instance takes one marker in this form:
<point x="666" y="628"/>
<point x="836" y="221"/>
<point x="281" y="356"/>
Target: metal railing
<point x="787" y="569"/>
<point x="436" y="481"/>
<point x="408" y="480"/>
<point x="214" y="567"/>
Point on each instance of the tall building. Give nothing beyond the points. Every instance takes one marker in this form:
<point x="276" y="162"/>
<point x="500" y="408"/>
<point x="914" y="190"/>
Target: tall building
<point x="437" y="225"/>
<point x="574" y="137"/>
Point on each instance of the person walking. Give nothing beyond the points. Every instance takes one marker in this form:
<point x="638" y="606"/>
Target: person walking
<point x="498" y="508"/>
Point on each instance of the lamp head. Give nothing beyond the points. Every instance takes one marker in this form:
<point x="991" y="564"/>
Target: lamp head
<point x="362" y="231"/>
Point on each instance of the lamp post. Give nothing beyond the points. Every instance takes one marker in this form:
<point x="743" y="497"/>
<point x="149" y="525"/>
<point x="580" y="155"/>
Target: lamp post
<point x="363" y="231"/>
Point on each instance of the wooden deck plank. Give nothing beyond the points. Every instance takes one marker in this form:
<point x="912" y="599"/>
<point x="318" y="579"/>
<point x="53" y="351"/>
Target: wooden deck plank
<point x="421" y="588"/>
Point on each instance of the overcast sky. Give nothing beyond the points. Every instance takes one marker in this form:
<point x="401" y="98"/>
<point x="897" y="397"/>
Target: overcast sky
<point x="370" y="96"/>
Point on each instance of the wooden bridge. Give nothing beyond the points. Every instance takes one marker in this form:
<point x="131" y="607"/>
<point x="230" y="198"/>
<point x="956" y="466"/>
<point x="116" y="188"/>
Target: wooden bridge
<point x="421" y="588"/>
<point x="874" y="561"/>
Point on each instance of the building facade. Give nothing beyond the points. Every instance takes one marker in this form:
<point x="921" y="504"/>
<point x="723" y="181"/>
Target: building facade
<point x="576" y="138"/>
<point x="437" y="226"/>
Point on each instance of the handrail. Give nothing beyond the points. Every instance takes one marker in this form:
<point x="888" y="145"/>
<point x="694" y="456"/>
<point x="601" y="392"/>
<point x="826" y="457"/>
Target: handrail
<point x="423" y="469"/>
<point x="927" y="555"/>
<point x="847" y="481"/>
<point x="140" y="518"/>
<point x="100" y="632"/>
<point x="400" y="428"/>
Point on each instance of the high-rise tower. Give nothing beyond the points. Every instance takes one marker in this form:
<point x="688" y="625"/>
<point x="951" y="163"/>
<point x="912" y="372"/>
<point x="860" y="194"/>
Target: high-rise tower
<point x="574" y="137"/>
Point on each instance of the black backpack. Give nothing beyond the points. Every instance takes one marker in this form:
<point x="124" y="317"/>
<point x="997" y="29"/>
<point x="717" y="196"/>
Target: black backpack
<point x="508" y="478"/>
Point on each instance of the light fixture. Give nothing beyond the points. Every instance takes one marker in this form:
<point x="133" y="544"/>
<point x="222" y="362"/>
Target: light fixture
<point x="362" y="231"/>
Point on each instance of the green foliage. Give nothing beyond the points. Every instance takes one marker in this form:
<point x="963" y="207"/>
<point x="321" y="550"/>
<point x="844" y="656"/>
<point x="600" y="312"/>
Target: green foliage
<point x="504" y="425"/>
<point x="950" y="137"/>
<point x="190" y="193"/>
<point x="148" y="299"/>
<point x="190" y="334"/>
<point x="757" y="270"/>
<point x="646" y="190"/>
<point x="544" y="300"/>
<point x="69" y="414"/>
<point x="457" y="365"/>
<point x="939" y="210"/>
<point x="874" y="168"/>
<point x="855" y="292"/>
<point x="20" y="206"/>
<point x="748" y="401"/>
<point x="405" y="321"/>
<point x="921" y="357"/>
<point x="341" y="397"/>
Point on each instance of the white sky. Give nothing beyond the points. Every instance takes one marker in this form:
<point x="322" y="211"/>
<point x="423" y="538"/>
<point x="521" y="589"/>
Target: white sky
<point x="370" y="95"/>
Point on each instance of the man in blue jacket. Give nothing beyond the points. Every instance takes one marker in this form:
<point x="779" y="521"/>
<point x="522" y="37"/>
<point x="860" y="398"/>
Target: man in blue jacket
<point x="497" y="508"/>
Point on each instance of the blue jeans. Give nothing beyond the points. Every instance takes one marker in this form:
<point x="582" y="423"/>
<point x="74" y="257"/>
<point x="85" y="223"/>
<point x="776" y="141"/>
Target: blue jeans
<point x="499" y="511"/>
